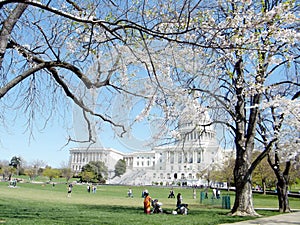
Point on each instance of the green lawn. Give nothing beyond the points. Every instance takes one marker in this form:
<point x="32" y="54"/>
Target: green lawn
<point x="44" y="204"/>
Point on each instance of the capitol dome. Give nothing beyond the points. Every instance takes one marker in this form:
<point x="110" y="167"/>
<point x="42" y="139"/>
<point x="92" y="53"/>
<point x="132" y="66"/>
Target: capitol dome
<point x="196" y="129"/>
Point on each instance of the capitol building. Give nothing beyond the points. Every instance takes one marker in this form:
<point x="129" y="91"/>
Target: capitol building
<point x="195" y="149"/>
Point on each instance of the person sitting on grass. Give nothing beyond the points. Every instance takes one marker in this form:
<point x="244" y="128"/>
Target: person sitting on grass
<point x="182" y="209"/>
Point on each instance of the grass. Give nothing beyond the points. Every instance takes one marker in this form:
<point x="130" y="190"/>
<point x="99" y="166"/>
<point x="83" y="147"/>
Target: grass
<point x="44" y="204"/>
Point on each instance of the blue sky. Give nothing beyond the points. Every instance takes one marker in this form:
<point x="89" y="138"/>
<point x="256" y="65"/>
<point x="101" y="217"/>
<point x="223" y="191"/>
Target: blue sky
<point x="46" y="146"/>
<point x="49" y="144"/>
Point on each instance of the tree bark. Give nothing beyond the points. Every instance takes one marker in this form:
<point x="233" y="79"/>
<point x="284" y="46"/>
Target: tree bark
<point x="7" y="28"/>
<point x="282" y="187"/>
<point x="243" y="204"/>
<point x="282" y="193"/>
<point x="282" y="183"/>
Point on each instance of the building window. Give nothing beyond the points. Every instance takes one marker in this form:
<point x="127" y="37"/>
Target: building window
<point x="172" y="157"/>
<point x="199" y="157"/>
<point x="191" y="158"/>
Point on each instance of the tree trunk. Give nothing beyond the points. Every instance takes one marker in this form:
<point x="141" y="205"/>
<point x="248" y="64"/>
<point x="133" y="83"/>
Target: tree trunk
<point x="264" y="187"/>
<point x="282" y="193"/>
<point x="282" y="183"/>
<point x="282" y="187"/>
<point x="244" y="142"/>
<point x="243" y="205"/>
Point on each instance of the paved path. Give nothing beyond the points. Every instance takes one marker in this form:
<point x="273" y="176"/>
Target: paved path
<point x="282" y="219"/>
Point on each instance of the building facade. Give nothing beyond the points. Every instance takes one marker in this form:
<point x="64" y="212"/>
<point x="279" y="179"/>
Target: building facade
<point x="195" y="149"/>
<point x="82" y="156"/>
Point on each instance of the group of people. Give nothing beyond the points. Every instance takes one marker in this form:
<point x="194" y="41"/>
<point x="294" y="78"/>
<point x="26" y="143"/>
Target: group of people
<point x="89" y="188"/>
<point x="93" y="188"/>
<point x="181" y="208"/>
<point x="216" y="193"/>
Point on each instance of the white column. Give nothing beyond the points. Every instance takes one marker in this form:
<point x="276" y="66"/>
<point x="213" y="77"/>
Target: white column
<point x="80" y="157"/>
<point x="72" y="157"/>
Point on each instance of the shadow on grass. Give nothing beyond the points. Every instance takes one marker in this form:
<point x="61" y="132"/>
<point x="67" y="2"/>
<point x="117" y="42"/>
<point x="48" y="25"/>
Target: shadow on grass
<point x="48" y="213"/>
<point x="112" y="208"/>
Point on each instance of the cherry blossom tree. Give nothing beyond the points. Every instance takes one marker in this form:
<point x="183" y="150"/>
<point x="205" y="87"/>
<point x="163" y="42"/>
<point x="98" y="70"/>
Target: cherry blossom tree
<point x="282" y="124"/>
<point x="201" y="57"/>
<point x="238" y="51"/>
<point x="50" y="49"/>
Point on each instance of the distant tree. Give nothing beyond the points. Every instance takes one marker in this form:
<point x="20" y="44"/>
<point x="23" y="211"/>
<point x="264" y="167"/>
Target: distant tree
<point x="209" y="174"/>
<point x="263" y="174"/>
<point x="97" y="168"/>
<point x="8" y="172"/>
<point x="51" y="173"/>
<point x="120" y="167"/>
<point x="16" y="163"/>
<point x="37" y="165"/>
<point x="227" y="172"/>
<point x="40" y="171"/>
<point x="1" y="168"/>
<point x="294" y="175"/>
<point x="88" y="176"/>
<point x="102" y="170"/>
<point x="66" y="173"/>
<point x="30" y="172"/>
<point x="1" y="172"/>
